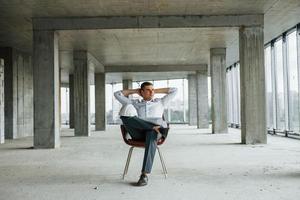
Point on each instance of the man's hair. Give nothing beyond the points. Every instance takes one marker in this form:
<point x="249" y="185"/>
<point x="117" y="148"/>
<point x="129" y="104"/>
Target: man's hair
<point x="145" y="84"/>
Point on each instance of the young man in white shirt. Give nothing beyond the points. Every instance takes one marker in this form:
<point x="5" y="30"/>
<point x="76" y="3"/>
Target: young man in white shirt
<point x="148" y="123"/>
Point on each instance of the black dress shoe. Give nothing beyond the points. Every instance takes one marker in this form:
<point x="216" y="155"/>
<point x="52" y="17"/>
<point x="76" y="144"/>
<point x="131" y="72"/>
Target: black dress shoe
<point x="143" y="180"/>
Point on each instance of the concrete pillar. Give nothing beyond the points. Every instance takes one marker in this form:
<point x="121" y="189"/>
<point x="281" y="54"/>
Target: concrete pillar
<point x="218" y="90"/>
<point x="46" y="89"/>
<point x="71" y="100"/>
<point x="252" y="78"/>
<point x="100" y="114"/>
<point x="2" y="133"/>
<point x="202" y="99"/>
<point x="192" y="99"/>
<point x="18" y="100"/>
<point x="127" y="84"/>
<point x="198" y="99"/>
<point x="81" y="93"/>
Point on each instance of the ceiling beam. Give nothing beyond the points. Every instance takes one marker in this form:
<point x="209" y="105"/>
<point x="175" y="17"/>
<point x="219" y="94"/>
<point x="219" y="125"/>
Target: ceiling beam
<point x="124" y="22"/>
<point x="155" y="68"/>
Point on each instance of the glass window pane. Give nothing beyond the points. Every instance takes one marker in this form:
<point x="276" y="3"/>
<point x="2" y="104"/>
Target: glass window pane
<point x="234" y="100"/>
<point x="238" y="92"/>
<point x="176" y="105"/>
<point x="186" y="99"/>
<point x="269" y="89"/>
<point x="92" y="104"/>
<point x="108" y="104"/>
<point x="209" y="97"/>
<point x="293" y="81"/>
<point x="116" y="105"/>
<point x="64" y="96"/>
<point x="230" y="97"/>
<point x="279" y="85"/>
<point x="236" y="95"/>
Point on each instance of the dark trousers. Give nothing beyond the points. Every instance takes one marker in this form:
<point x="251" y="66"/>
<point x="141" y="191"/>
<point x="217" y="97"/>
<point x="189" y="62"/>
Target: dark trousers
<point x="142" y="130"/>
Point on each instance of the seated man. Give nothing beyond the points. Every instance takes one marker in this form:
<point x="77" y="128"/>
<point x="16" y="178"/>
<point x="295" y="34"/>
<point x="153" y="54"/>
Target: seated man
<point x="149" y="122"/>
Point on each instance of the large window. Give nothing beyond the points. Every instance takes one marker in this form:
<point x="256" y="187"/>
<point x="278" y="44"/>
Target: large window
<point x="293" y="81"/>
<point x="269" y="89"/>
<point x="233" y="95"/>
<point x="280" y="107"/>
<point x="282" y="84"/>
<point x="64" y="100"/>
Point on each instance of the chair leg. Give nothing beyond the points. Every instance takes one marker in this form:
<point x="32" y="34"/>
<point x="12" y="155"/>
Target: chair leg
<point x="162" y="163"/>
<point x="127" y="162"/>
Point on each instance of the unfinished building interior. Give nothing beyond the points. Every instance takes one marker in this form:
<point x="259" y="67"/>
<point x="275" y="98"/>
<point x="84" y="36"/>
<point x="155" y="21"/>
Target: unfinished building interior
<point x="234" y="124"/>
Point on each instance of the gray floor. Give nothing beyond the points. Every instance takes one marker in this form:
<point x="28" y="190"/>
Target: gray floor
<point x="201" y="166"/>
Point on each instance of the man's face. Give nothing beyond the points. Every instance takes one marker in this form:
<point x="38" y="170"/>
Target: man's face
<point x="147" y="92"/>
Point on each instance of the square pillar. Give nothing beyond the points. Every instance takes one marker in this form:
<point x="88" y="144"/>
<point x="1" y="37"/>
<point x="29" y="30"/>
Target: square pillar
<point x="252" y="78"/>
<point x="127" y="84"/>
<point x="100" y="115"/>
<point x="192" y="99"/>
<point x="10" y="100"/>
<point x="202" y="99"/>
<point x="46" y="89"/>
<point x="18" y="98"/>
<point x="198" y="99"/>
<point x="218" y="90"/>
<point x="81" y="93"/>
<point x="71" y="99"/>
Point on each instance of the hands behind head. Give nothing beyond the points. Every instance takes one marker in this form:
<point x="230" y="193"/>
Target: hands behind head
<point x="139" y="92"/>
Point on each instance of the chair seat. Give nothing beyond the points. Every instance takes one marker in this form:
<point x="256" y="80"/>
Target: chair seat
<point x="136" y="143"/>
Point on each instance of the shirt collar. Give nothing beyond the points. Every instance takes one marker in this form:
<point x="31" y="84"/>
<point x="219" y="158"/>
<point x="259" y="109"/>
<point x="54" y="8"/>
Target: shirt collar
<point x="147" y="101"/>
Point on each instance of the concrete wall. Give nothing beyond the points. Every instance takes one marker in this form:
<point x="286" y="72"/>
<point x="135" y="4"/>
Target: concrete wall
<point x="18" y="84"/>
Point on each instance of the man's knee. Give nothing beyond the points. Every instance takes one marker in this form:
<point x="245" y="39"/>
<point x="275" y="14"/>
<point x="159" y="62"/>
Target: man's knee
<point x="126" y="119"/>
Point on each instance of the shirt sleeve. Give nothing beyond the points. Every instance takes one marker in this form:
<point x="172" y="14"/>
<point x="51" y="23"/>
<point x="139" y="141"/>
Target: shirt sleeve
<point x="121" y="98"/>
<point x="171" y="94"/>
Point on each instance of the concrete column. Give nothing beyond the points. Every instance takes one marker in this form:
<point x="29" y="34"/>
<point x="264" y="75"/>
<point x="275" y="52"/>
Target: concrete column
<point x="71" y="99"/>
<point x="127" y="84"/>
<point x="202" y="99"/>
<point x="46" y="89"/>
<point x="18" y="100"/>
<point x="252" y="73"/>
<point x="2" y="133"/>
<point x="198" y="99"/>
<point x="100" y="114"/>
<point x="192" y="99"/>
<point x="218" y="90"/>
<point x="81" y="93"/>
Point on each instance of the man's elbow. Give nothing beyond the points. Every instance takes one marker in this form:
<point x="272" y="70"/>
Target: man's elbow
<point x="173" y="90"/>
<point x="117" y="93"/>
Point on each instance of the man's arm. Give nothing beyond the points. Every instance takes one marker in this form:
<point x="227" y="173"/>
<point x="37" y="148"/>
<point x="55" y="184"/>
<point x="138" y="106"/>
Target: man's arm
<point x="171" y="93"/>
<point x="122" y="95"/>
<point x="162" y="90"/>
<point x="128" y="92"/>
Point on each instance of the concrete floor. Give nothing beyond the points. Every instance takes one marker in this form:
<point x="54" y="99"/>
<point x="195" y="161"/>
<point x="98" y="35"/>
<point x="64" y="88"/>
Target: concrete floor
<point x="200" y="165"/>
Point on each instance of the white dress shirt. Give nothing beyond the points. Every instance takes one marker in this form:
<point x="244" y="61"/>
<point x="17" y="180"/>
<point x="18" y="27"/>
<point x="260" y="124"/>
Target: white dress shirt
<point x="152" y="110"/>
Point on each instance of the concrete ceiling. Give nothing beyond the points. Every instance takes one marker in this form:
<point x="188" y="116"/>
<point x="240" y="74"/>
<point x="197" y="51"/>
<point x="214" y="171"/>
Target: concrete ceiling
<point x="144" y="46"/>
<point x="149" y="46"/>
